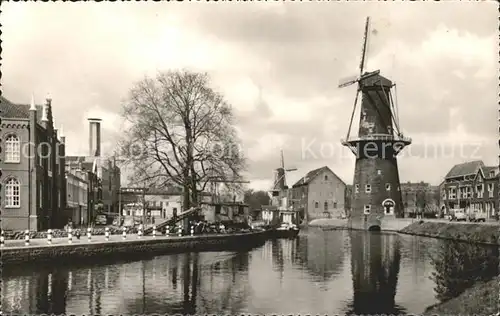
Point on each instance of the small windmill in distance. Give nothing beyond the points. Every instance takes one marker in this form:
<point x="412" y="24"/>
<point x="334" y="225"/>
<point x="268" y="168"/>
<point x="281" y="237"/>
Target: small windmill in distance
<point x="279" y="185"/>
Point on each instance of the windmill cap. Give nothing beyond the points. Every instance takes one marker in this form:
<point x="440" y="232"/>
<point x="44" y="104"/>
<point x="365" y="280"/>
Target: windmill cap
<point x="377" y="81"/>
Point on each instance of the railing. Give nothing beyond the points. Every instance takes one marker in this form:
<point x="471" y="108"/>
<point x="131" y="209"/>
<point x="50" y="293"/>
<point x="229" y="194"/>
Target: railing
<point x="378" y="137"/>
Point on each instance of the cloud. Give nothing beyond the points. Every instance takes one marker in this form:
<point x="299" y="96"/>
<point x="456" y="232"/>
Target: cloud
<point x="89" y="56"/>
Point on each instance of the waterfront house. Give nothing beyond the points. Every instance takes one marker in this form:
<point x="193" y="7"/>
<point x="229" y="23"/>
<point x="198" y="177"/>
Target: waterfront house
<point x="319" y="194"/>
<point x="237" y="212"/>
<point x="32" y="164"/>
<point x="472" y="186"/>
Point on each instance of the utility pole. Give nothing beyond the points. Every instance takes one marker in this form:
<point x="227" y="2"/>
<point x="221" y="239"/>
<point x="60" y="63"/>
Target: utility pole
<point x="119" y="205"/>
<point x="144" y="204"/>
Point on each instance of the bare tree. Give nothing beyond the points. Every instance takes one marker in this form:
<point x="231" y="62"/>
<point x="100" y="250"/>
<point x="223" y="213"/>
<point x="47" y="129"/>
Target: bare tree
<point x="181" y="134"/>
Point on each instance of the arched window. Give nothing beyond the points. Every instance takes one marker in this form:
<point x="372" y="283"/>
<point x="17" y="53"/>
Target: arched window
<point x="12" y="193"/>
<point x="12" y="149"/>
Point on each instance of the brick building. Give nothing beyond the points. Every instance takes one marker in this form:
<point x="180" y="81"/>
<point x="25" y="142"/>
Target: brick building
<point x="319" y="194"/>
<point x="418" y="197"/>
<point x="32" y="163"/>
<point x="471" y="186"/>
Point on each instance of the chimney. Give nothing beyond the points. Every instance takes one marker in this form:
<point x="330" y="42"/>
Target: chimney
<point x="94" y="137"/>
<point x="45" y="120"/>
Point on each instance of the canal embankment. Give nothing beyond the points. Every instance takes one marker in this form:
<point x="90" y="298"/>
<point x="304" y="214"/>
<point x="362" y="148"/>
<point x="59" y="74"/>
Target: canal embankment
<point x="480" y="233"/>
<point x="481" y="299"/>
<point x="466" y="232"/>
<point x="388" y="225"/>
<point x="115" y="247"/>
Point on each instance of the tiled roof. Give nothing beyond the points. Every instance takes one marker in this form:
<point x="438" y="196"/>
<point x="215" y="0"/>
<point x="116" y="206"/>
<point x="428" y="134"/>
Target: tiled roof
<point x="313" y="174"/>
<point x="466" y="168"/>
<point x="21" y="111"/>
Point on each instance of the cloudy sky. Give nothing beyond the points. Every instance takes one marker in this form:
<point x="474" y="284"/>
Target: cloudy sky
<point x="278" y="64"/>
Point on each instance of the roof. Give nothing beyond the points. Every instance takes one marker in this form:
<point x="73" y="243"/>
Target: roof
<point x="413" y="185"/>
<point x="269" y="207"/>
<point x="19" y="111"/>
<point x="313" y="174"/>
<point x="464" y="169"/>
<point x="376" y="80"/>
<point x="488" y="169"/>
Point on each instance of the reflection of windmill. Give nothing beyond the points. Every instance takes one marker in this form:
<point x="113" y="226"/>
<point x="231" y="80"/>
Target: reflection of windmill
<point x="375" y="265"/>
<point x="376" y="176"/>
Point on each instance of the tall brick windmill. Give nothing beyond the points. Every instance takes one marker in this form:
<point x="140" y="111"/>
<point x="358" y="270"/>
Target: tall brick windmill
<point x="376" y="192"/>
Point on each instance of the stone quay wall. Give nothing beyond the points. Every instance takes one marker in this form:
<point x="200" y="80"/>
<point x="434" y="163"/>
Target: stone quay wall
<point x="131" y="249"/>
<point x="472" y="233"/>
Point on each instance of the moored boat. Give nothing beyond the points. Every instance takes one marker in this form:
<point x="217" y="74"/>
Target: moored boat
<point x="285" y="230"/>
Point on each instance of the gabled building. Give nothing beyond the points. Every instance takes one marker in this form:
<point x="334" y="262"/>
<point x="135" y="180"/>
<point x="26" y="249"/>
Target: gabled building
<point x="472" y="186"/>
<point x="32" y="164"/>
<point x="319" y="194"/>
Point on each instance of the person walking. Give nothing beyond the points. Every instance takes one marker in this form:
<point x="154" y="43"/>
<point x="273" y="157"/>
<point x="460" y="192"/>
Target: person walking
<point x="174" y="215"/>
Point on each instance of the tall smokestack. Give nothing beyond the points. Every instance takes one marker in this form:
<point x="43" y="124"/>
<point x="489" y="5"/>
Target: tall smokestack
<point x="94" y="137"/>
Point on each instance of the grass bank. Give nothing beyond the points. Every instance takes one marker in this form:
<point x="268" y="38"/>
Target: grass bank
<point x="481" y="299"/>
<point x="474" y="233"/>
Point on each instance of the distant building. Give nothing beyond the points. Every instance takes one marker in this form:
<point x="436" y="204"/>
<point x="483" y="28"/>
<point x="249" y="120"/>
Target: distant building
<point x="77" y="190"/>
<point x="319" y="194"/>
<point x="108" y="174"/>
<point x="418" y="197"/>
<point x="95" y="186"/>
<point x="158" y="203"/>
<point x="32" y="164"/>
<point x="472" y="186"/>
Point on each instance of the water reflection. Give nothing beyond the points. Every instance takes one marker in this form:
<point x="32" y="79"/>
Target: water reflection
<point x="459" y="265"/>
<point x="334" y="272"/>
<point x="322" y="254"/>
<point x="171" y="284"/>
<point x="375" y="264"/>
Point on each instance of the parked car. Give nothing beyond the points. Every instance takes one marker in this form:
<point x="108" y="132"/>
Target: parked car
<point x="477" y="217"/>
<point x="101" y="220"/>
<point x="459" y="215"/>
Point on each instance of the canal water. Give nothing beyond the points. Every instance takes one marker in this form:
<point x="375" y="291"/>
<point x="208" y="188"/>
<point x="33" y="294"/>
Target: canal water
<point x="321" y="272"/>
